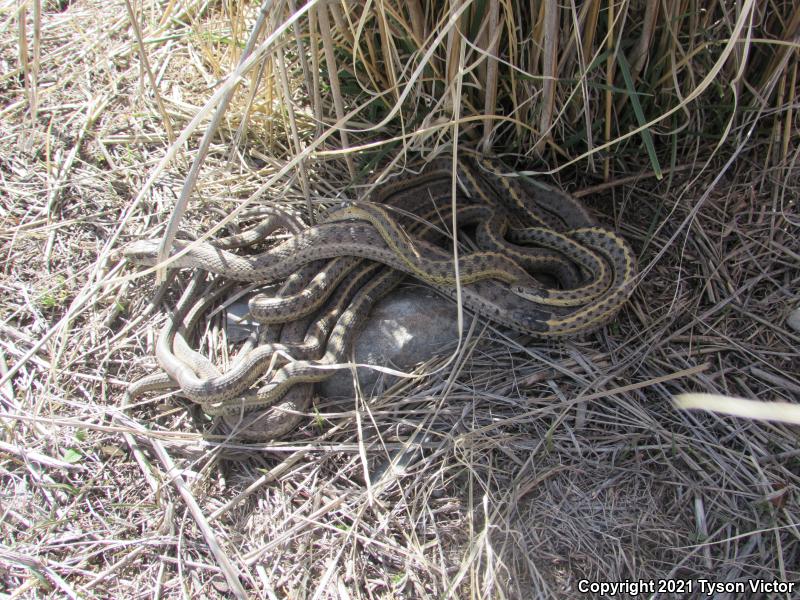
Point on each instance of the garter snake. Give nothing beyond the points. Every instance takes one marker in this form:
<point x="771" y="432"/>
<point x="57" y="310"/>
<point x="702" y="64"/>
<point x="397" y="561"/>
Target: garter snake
<point x="562" y="227"/>
<point x="268" y="309"/>
<point x="329" y="240"/>
<point x="504" y="262"/>
<point x="252" y="366"/>
<point x="545" y="208"/>
<point x="339" y="341"/>
<point x="301" y="295"/>
<point x="304" y="371"/>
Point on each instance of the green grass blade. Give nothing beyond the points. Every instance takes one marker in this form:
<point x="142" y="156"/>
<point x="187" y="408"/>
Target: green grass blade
<point x="647" y="138"/>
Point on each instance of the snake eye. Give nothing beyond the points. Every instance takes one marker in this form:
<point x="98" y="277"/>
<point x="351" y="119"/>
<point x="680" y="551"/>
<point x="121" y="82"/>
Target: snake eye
<point x="533" y="321"/>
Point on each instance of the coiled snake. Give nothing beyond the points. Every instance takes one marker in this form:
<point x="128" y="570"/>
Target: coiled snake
<point x="520" y="229"/>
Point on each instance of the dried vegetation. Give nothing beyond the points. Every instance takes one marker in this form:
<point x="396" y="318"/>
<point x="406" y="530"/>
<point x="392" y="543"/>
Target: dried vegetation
<point x="518" y="470"/>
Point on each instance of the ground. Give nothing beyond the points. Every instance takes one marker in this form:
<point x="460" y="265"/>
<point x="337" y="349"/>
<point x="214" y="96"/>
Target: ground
<point x="519" y="470"/>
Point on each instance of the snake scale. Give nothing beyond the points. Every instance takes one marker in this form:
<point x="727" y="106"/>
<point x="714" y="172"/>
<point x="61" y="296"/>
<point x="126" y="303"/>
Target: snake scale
<point x="522" y="230"/>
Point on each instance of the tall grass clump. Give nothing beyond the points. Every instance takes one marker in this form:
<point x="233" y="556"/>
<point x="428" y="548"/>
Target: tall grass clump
<point x="607" y="87"/>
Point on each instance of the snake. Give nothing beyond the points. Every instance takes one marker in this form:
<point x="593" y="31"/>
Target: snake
<point x="220" y="395"/>
<point x="510" y="265"/>
<point x="489" y="283"/>
<point x="188" y="368"/>
<point x="329" y="240"/>
<point x="307" y="371"/>
<point x="180" y="363"/>
<point x="286" y="413"/>
<point x="199" y="380"/>
<point x="310" y="372"/>
<point x="253" y="364"/>
<point x="551" y="210"/>
<point x="273" y="309"/>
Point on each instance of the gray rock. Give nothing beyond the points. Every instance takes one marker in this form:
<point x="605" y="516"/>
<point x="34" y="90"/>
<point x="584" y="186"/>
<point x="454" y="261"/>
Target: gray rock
<point x="793" y="320"/>
<point x="404" y="329"/>
<point x="238" y="324"/>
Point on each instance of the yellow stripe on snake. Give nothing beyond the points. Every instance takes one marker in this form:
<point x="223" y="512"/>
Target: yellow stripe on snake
<point x="522" y="231"/>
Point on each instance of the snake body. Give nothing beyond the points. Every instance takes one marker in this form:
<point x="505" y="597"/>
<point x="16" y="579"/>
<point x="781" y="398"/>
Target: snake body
<point x="518" y="228"/>
<point x="306" y="371"/>
<point x="329" y="240"/>
<point x="271" y="309"/>
<point x="255" y="362"/>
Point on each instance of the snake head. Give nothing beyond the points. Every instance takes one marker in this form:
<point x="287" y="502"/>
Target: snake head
<point x="334" y="210"/>
<point x="141" y="252"/>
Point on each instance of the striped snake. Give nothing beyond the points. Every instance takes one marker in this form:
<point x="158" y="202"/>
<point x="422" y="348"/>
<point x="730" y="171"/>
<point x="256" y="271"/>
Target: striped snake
<point x="594" y="264"/>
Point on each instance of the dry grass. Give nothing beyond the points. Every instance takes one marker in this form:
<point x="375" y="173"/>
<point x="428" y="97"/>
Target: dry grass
<point x="521" y="468"/>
